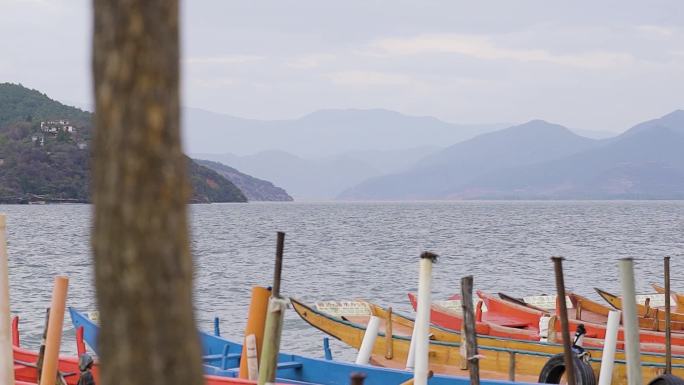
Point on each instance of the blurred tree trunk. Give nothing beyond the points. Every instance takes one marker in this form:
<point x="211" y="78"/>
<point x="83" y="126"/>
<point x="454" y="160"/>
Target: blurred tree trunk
<point x="143" y="266"/>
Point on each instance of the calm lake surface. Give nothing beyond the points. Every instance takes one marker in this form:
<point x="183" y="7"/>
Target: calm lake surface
<point x="358" y="250"/>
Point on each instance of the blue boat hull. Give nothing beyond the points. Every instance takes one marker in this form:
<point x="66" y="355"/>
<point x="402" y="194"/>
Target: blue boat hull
<point x="222" y="358"/>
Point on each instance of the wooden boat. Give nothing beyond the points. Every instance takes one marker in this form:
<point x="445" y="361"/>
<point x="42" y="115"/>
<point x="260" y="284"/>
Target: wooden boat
<point x="486" y="324"/>
<point x="26" y="373"/>
<point x="679" y="298"/>
<point x="444" y="351"/>
<point x="586" y="308"/>
<point x="222" y="358"/>
<point x="652" y="341"/>
<point x="515" y="319"/>
<point x="25" y="369"/>
<point x="642" y="310"/>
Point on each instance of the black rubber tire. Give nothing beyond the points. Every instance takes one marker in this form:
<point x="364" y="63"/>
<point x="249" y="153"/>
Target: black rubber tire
<point x="666" y="379"/>
<point x="554" y="368"/>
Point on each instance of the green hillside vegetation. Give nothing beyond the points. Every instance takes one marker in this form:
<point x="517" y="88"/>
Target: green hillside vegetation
<point x="209" y="186"/>
<point x="51" y="162"/>
<point x="20" y="104"/>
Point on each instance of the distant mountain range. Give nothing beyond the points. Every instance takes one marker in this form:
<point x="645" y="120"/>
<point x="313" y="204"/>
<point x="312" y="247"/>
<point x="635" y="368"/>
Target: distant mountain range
<point x="320" y="178"/>
<point x="361" y="155"/>
<point x="254" y="189"/>
<point x="540" y="160"/>
<point x="322" y="133"/>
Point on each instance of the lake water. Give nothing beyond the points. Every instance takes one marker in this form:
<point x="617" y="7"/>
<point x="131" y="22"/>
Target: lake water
<point x="358" y="250"/>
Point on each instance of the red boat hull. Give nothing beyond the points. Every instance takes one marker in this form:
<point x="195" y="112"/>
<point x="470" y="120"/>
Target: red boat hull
<point x="509" y="320"/>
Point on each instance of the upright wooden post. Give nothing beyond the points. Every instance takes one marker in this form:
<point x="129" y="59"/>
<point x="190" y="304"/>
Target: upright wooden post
<point x="389" y="341"/>
<point x="422" y="324"/>
<point x="609" y="345"/>
<point x="463" y="349"/>
<point x="274" y="322"/>
<point x="256" y="321"/>
<point x="54" y="333"/>
<point x="565" y="331"/>
<point x="631" y="322"/>
<point x="369" y="337"/>
<point x="357" y="378"/>
<point x="6" y="356"/>
<point x="15" y="331"/>
<point x="469" y="327"/>
<point x="668" y="327"/>
<point x="217" y="327"/>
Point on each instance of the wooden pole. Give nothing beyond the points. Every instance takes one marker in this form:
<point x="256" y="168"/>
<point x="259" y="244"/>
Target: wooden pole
<point x="256" y="321"/>
<point x="511" y="366"/>
<point x="609" y="346"/>
<point x="54" y="333"/>
<point x="274" y="322"/>
<point x="368" y="342"/>
<point x="565" y="330"/>
<point x="80" y="345"/>
<point x="463" y="349"/>
<point x="6" y="356"/>
<point x="15" y="331"/>
<point x="389" y="341"/>
<point x="668" y="327"/>
<point x="280" y="245"/>
<point x="631" y="322"/>
<point x="357" y="378"/>
<point x="422" y="324"/>
<point x="470" y="333"/>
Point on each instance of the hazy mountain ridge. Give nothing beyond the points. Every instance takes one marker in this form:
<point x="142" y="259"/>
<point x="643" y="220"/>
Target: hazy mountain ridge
<point x="253" y="188"/>
<point x="646" y="162"/>
<point x="454" y="167"/>
<point x="320" y="178"/>
<point x="538" y="160"/>
<point x="322" y="133"/>
<point x="304" y="179"/>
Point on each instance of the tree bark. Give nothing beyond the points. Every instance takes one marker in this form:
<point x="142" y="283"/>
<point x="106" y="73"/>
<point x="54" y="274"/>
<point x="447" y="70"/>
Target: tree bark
<point x="143" y="266"/>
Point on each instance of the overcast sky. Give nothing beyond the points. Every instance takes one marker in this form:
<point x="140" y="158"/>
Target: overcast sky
<point x="601" y="65"/>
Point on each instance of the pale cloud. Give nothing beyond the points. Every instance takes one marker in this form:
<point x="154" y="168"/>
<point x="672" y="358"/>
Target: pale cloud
<point x="309" y="61"/>
<point x="371" y="78"/>
<point x="223" y="59"/>
<point x="657" y="30"/>
<point x="215" y="82"/>
<point x="484" y="48"/>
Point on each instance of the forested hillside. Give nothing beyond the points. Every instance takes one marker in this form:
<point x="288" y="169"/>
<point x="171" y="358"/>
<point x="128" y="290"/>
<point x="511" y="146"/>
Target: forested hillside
<point x="44" y="154"/>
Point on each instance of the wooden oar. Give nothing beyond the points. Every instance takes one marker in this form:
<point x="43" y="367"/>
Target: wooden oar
<point x="41" y="351"/>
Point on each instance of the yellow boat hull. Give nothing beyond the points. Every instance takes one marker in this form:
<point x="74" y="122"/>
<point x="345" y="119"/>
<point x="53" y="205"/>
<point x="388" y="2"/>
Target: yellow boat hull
<point x="527" y="357"/>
